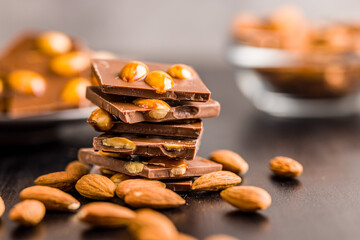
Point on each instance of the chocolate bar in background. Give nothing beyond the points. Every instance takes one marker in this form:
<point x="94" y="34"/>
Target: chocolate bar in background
<point x="184" y="128"/>
<point x="197" y="167"/>
<point x="147" y="146"/>
<point x="176" y="185"/>
<point x="107" y="75"/>
<point x="24" y="54"/>
<point x="123" y="108"/>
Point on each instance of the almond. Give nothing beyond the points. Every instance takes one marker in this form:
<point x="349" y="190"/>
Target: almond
<point x="153" y="197"/>
<point x="216" y="181"/>
<point x="28" y="212"/>
<point x="52" y="198"/>
<point x="247" y="198"/>
<point x="285" y="167"/>
<point x="152" y="225"/>
<point x="61" y="180"/>
<point x="119" y="177"/>
<point x="106" y="171"/>
<point x="221" y="237"/>
<point x="124" y="187"/>
<point x="230" y="160"/>
<point x="95" y="186"/>
<point x="2" y="206"/>
<point x="104" y="214"/>
<point x="77" y="169"/>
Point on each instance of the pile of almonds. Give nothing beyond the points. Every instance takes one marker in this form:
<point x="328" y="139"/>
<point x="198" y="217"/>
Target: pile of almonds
<point x="144" y="223"/>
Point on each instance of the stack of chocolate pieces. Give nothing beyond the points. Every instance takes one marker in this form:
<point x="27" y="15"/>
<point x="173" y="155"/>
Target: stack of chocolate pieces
<point x="150" y="115"/>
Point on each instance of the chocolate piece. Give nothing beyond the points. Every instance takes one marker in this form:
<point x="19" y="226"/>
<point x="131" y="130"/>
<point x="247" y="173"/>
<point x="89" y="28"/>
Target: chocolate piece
<point x="23" y="54"/>
<point x="107" y="75"/>
<point x="180" y="185"/>
<point x="186" y="129"/>
<point x="123" y="108"/>
<point x="148" y="146"/>
<point x="197" y="167"/>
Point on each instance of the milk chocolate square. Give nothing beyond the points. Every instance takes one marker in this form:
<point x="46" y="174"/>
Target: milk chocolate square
<point x="197" y="167"/>
<point x="123" y="108"/>
<point x="107" y="75"/>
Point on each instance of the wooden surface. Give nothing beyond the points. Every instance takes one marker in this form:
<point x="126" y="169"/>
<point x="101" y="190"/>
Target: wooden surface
<point x="323" y="203"/>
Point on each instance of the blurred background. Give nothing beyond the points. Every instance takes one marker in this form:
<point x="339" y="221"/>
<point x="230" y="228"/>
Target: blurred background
<point x="193" y="32"/>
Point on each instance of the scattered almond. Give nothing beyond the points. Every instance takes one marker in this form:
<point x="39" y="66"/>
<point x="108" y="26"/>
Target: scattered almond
<point x="119" y="177"/>
<point x="61" y="180"/>
<point x="52" y="198"/>
<point x="285" y="167"/>
<point x="104" y="214"/>
<point x="247" y="198"/>
<point x="124" y="187"/>
<point x="77" y="169"/>
<point x="2" y="206"/>
<point x="28" y="212"/>
<point x="216" y="181"/>
<point x="230" y="160"/>
<point x="152" y="225"/>
<point x="153" y="197"/>
<point x="106" y="171"/>
<point x="95" y="186"/>
<point x="221" y="237"/>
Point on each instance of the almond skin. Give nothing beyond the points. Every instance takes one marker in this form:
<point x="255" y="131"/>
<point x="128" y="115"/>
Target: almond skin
<point x="247" y="198"/>
<point x="28" y="212"/>
<point x="52" y="198"/>
<point x="230" y="160"/>
<point x="151" y="225"/>
<point x="124" y="187"/>
<point x="221" y="237"/>
<point x="96" y="186"/>
<point x="285" y="167"/>
<point x="153" y="197"/>
<point x="119" y="177"/>
<point x="77" y="169"/>
<point x="61" y="180"/>
<point x="105" y="214"/>
<point x="2" y="206"/>
<point x="216" y="181"/>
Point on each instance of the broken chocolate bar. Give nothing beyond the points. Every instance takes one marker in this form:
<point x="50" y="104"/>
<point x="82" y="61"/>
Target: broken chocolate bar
<point x="197" y="167"/>
<point x="107" y="75"/>
<point x="123" y="108"/>
<point x="147" y="146"/>
<point x="32" y="87"/>
<point x="186" y="128"/>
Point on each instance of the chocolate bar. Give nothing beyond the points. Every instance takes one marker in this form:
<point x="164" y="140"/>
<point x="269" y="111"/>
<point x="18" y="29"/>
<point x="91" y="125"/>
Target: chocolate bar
<point x="24" y="54"/>
<point x="147" y="146"/>
<point x="107" y="75"/>
<point x="197" y="167"/>
<point x="123" y="108"/>
<point x="186" y="128"/>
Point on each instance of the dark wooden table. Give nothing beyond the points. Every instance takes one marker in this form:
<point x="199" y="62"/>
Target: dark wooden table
<point x="324" y="203"/>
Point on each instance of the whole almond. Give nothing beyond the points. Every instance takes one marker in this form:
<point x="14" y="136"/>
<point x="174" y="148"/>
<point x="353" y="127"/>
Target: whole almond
<point x="52" y="198"/>
<point x="119" y="177"/>
<point x="285" y="167"/>
<point x="124" y="187"/>
<point x="153" y="197"/>
<point x="216" y="181"/>
<point x="105" y="214"/>
<point x="61" y="180"/>
<point x="247" y="198"/>
<point x="230" y="160"/>
<point x="2" y="206"/>
<point x="220" y="237"/>
<point x="77" y="169"/>
<point x="106" y="171"/>
<point x="95" y="186"/>
<point x="28" y="212"/>
<point x="151" y="225"/>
